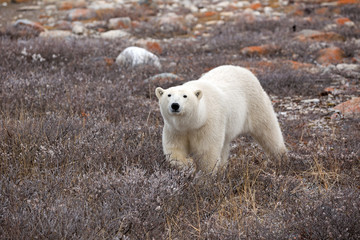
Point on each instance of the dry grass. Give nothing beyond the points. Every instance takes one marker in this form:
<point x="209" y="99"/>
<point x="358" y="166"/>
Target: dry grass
<point x="81" y="157"/>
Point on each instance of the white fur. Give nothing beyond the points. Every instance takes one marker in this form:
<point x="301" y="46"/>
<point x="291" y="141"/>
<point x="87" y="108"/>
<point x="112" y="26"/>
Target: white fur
<point x="224" y="103"/>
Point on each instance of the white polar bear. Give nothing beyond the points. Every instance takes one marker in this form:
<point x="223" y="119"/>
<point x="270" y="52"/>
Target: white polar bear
<point x="202" y="117"/>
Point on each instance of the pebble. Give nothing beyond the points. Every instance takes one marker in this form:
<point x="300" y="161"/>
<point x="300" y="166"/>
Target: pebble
<point x="135" y="56"/>
<point x="314" y="100"/>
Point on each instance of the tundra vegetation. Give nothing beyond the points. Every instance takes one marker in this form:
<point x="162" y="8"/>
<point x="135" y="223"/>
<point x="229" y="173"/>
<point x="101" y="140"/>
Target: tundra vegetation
<point x="80" y="137"/>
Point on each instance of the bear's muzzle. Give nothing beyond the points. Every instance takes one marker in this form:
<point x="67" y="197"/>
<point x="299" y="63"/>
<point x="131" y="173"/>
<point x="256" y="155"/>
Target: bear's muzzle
<point x="175" y="107"/>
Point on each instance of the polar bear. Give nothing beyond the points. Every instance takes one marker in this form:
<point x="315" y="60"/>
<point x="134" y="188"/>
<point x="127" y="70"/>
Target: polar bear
<point x="201" y="118"/>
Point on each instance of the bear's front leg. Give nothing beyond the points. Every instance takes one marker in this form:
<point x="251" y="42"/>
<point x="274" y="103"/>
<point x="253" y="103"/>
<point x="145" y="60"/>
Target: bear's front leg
<point x="209" y="151"/>
<point x="175" y="148"/>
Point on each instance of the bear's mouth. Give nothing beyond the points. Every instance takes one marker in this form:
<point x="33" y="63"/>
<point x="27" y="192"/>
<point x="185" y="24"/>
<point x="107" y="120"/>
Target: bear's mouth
<point x="175" y="111"/>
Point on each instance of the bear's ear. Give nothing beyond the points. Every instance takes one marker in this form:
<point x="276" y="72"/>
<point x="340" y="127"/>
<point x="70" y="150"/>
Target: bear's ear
<point x="198" y="94"/>
<point x="159" y="92"/>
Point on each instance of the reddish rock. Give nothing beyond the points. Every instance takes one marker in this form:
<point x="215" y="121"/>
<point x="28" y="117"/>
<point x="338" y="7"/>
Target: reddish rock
<point x="344" y="2"/>
<point x="76" y="4"/>
<point x="30" y="24"/>
<point x="67" y="5"/>
<point x="314" y="35"/>
<point x="81" y="14"/>
<point x="63" y="25"/>
<point x="299" y="13"/>
<point x="119" y="23"/>
<point x="208" y="16"/>
<point x="154" y="47"/>
<point x="321" y="11"/>
<point x="299" y="65"/>
<point x="342" y="21"/>
<point x="109" y="61"/>
<point x="329" y="89"/>
<point x="255" y="6"/>
<point x="103" y="13"/>
<point x="332" y="55"/>
<point x="350" y="108"/>
<point x="259" y="50"/>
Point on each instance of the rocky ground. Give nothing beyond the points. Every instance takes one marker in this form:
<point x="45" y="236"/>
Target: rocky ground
<point x="80" y="135"/>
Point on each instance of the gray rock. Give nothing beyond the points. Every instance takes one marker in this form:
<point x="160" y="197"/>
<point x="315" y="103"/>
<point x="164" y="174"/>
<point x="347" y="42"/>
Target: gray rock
<point x="135" y="56"/>
<point x="348" y="67"/>
<point x="315" y="100"/>
<point x="78" y="28"/>
<point x="113" y="34"/>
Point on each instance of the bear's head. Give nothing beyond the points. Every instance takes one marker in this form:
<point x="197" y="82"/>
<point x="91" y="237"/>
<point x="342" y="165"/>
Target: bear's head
<point x="179" y="105"/>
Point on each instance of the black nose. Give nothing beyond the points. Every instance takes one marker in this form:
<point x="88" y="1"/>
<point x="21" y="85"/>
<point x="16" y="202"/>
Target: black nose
<point x="175" y="106"/>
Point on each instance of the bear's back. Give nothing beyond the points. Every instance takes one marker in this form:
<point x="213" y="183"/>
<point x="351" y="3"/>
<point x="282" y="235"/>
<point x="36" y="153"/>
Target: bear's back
<point x="231" y="79"/>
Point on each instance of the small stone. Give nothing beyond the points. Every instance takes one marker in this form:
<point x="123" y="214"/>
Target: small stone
<point x="81" y="14"/>
<point x="154" y="47"/>
<point x="66" y="5"/>
<point x="135" y="56"/>
<point x="223" y="4"/>
<point x="314" y="100"/>
<point x="55" y="34"/>
<point x="97" y="5"/>
<point x="117" y="23"/>
<point x="259" y="50"/>
<point x="344" y="21"/>
<point x="164" y="78"/>
<point x="113" y="34"/>
<point x="29" y="8"/>
<point x="63" y="25"/>
<point x="78" y="28"/>
<point x="255" y="6"/>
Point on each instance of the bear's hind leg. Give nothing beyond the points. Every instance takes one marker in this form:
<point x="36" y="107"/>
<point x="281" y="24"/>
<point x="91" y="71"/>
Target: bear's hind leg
<point x="270" y="138"/>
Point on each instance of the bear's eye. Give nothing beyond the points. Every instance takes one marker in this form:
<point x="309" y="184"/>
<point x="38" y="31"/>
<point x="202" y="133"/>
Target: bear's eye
<point x="185" y="96"/>
<point x="169" y="95"/>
